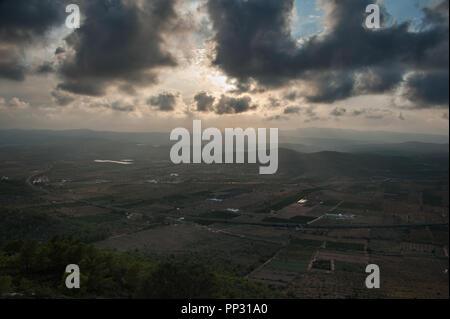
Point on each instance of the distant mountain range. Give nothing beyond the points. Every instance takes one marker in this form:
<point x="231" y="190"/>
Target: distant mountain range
<point x="307" y="140"/>
<point x="359" y="137"/>
<point x="328" y="164"/>
<point x="407" y="159"/>
<point x="401" y="149"/>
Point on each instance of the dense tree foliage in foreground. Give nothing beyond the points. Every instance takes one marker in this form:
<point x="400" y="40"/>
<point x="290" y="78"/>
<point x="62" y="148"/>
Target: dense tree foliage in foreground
<point x="38" y="224"/>
<point x="32" y="269"/>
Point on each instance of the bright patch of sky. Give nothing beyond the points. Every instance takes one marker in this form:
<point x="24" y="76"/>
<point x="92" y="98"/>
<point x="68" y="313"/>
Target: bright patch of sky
<point x="307" y="18"/>
<point x="407" y="11"/>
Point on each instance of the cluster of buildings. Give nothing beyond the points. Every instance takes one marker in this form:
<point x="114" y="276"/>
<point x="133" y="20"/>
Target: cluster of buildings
<point x="40" y="180"/>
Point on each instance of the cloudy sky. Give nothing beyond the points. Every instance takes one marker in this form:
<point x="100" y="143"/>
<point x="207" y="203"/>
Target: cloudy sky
<point x="152" y="65"/>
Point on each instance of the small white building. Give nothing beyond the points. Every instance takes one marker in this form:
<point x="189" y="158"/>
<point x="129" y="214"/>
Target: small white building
<point x="40" y="180"/>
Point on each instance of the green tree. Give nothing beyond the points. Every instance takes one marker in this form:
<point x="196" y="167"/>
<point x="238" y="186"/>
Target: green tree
<point x="187" y="278"/>
<point x="5" y="284"/>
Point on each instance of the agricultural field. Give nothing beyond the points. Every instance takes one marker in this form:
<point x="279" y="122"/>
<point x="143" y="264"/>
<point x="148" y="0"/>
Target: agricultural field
<point x="304" y="235"/>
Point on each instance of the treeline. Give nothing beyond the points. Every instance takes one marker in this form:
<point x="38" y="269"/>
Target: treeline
<point x="37" y="270"/>
<point x="35" y="224"/>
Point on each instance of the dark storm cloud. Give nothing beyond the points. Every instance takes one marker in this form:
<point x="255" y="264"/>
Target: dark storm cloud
<point x="12" y="70"/>
<point x="86" y="87"/>
<point x="331" y="86"/>
<point x="119" y="41"/>
<point x="312" y="119"/>
<point x="292" y="110"/>
<point x="251" y="37"/>
<point x="291" y="96"/>
<point x="338" y="111"/>
<point x="378" y="79"/>
<point x="165" y="102"/>
<point x="428" y="89"/>
<point x="59" y="50"/>
<point x="121" y="106"/>
<point x="225" y="105"/>
<point x="205" y="102"/>
<point x="371" y="113"/>
<point x="328" y="87"/>
<point x="277" y="118"/>
<point x="45" y="68"/>
<point x="253" y="41"/>
<point x="428" y="86"/>
<point x="274" y="102"/>
<point x="24" y="23"/>
<point x="118" y="105"/>
<point x="127" y="88"/>
<point x="437" y="14"/>
<point x="307" y="112"/>
<point x="310" y="111"/>
<point x="62" y="98"/>
<point x="23" y="20"/>
<point x="358" y="112"/>
<point x="232" y="105"/>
